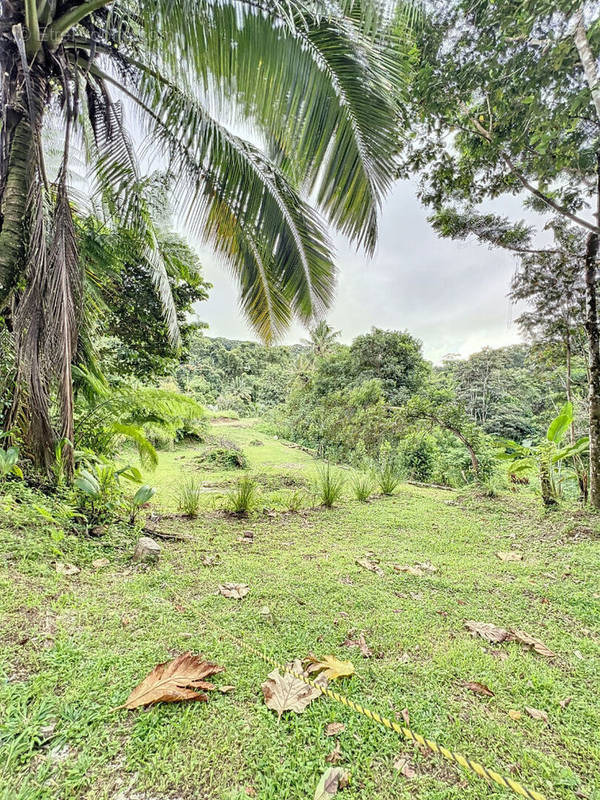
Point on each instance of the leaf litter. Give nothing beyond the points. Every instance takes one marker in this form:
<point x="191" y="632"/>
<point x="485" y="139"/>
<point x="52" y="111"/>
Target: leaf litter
<point x="174" y="681"/>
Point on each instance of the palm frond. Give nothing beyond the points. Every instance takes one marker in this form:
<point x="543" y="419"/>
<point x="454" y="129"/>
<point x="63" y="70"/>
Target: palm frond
<point x="122" y="189"/>
<point x="235" y="199"/>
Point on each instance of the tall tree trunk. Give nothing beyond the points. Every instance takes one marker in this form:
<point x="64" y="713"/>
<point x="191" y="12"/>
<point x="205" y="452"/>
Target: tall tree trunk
<point x="593" y="336"/>
<point x="568" y="381"/>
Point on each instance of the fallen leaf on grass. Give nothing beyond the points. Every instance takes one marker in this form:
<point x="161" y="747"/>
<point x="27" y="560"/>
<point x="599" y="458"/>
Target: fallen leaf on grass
<point x="487" y="631"/>
<point x="515" y="714"/>
<point x="288" y="693"/>
<point x="479" y="688"/>
<point x="234" y="590"/>
<point x="371" y="566"/>
<point x="330" y="667"/>
<point x="333" y="780"/>
<point x="510" y="555"/>
<point x="98" y="563"/>
<point x="209" y="561"/>
<point x="172" y="681"/>
<point x="564" y="703"/>
<point x="529" y="641"/>
<point x="334" y="728"/>
<point x="403" y="765"/>
<point x="492" y="633"/>
<point x="419" y="570"/>
<point x="335" y="755"/>
<point x="360" y="643"/>
<point x="536" y="713"/>
<point x="66" y="569"/>
<point x="406" y="717"/>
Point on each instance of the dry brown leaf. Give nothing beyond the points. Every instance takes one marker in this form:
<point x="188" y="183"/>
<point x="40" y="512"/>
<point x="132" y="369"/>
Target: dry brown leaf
<point x="334" y="728"/>
<point x="564" y="703"/>
<point x="98" y="563"/>
<point x="529" y="641"/>
<point x="417" y="571"/>
<point x="406" y="717"/>
<point x="330" y="667"/>
<point x="209" y="561"/>
<point x="360" y="643"/>
<point x="335" y="755"/>
<point x="371" y="566"/>
<point x="487" y="631"/>
<point x="515" y="714"/>
<point x="403" y="765"/>
<point x="333" y="780"/>
<point x="234" y="590"/>
<point x="172" y="681"/>
<point x="288" y="693"/>
<point x="66" y="569"/>
<point x="536" y="713"/>
<point x="479" y="688"/>
<point x="510" y="555"/>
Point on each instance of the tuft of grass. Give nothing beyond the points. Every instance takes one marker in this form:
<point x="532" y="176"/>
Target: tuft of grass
<point x="295" y="501"/>
<point x="189" y="497"/>
<point x="388" y="475"/>
<point x="244" y="496"/>
<point x="362" y="486"/>
<point x="329" y="486"/>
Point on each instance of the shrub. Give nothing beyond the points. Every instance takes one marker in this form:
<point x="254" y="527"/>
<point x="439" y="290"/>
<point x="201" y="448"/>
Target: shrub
<point x="418" y="456"/>
<point x="223" y="457"/>
<point x="362" y="486"/>
<point x="329" y="486"/>
<point x="189" y="497"/>
<point x="243" y="497"/>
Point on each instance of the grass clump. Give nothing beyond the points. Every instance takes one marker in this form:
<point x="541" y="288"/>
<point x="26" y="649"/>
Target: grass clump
<point x="362" y="486"/>
<point x="329" y="486"/>
<point x="295" y="500"/>
<point x="223" y="457"/>
<point x="189" y="497"/>
<point x="244" y="496"/>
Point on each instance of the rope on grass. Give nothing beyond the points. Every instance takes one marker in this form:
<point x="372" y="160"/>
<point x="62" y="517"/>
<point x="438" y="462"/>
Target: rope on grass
<point x="486" y="773"/>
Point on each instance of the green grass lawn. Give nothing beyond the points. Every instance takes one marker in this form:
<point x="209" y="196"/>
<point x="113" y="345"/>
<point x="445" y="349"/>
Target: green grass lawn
<point x="74" y="647"/>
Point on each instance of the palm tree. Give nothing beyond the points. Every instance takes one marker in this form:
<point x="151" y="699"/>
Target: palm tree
<point x="322" y="338"/>
<point x="311" y="81"/>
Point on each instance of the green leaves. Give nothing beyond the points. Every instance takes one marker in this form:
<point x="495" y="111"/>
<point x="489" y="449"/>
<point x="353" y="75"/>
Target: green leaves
<point x="8" y="463"/>
<point x="560" y="424"/>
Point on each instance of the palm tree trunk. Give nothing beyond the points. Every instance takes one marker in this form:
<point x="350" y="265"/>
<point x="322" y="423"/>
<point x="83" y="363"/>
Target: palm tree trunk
<point x="13" y="203"/>
<point x="593" y="335"/>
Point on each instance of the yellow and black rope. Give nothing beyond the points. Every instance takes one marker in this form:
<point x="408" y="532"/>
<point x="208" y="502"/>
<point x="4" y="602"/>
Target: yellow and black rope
<point x="466" y="763"/>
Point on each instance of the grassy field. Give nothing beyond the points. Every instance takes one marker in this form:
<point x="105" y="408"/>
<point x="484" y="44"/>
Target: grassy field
<point x="74" y="647"/>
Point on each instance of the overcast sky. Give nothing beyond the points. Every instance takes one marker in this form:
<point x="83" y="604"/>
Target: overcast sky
<point x="451" y="295"/>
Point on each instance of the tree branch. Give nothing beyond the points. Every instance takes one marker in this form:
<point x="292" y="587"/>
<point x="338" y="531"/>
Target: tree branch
<point x="588" y="62"/>
<point x="487" y="135"/>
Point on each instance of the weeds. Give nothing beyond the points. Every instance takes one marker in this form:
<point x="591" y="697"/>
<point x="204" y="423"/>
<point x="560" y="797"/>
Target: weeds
<point x="243" y="497"/>
<point x="295" y="501"/>
<point x="388" y="475"/>
<point x="329" y="486"/>
<point x="362" y="486"/>
<point x="189" y="497"/>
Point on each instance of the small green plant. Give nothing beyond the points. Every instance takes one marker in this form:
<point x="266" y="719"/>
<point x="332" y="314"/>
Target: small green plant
<point x="143" y="495"/>
<point x="189" y="497"/>
<point x="387" y="471"/>
<point x="329" y="486"/>
<point x="295" y="501"/>
<point x="8" y="463"/>
<point x="243" y="497"/>
<point x="362" y="486"/>
<point x="555" y="463"/>
<point x="100" y="496"/>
